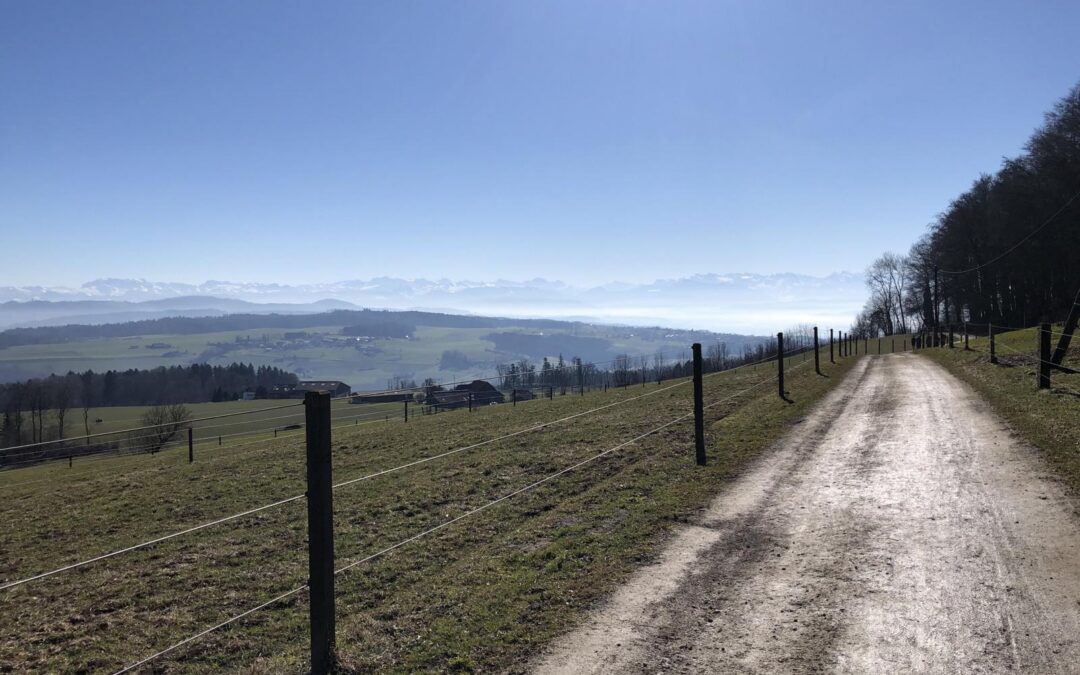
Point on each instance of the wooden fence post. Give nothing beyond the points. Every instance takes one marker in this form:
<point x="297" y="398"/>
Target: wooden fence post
<point x="831" y="359"/>
<point x="1044" y="356"/>
<point x="817" y="357"/>
<point x="993" y="352"/>
<point x="190" y="445"/>
<point x="581" y="377"/>
<point x="406" y="410"/>
<point x="952" y="343"/>
<point x="513" y="395"/>
<point x="320" y="493"/>
<point x="699" y="408"/>
<point x="780" y="363"/>
<point x="469" y="396"/>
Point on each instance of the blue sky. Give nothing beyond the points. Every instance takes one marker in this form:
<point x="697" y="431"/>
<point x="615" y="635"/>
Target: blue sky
<point x="581" y="141"/>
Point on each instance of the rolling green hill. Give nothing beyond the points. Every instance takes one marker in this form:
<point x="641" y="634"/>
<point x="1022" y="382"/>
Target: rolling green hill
<point x="364" y="349"/>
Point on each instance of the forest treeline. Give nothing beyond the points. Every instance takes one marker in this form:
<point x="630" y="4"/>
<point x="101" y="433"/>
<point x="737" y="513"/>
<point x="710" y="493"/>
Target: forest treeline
<point x="42" y="409"/>
<point x="1006" y="251"/>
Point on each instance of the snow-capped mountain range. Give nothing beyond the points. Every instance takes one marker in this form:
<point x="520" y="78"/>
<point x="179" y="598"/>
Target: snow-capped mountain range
<point x="752" y="303"/>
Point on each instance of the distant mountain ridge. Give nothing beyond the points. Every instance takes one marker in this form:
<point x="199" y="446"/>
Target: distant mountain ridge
<point x="737" y="302"/>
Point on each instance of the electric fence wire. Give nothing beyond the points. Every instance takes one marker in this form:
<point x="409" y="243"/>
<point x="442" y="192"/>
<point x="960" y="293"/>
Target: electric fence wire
<point x="151" y="542"/>
<point x="401" y="467"/>
<point x="215" y="453"/>
<point x="293" y="498"/>
<point x="158" y="426"/>
<point x="1017" y="245"/>
<point x="40" y="456"/>
<point x="337" y="399"/>
<point x="6" y="452"/>
<point x="1031" y="357"/>
<point x="75" y="443"/>
<point x="225" y="451"/>
<point x="419" y="535"/>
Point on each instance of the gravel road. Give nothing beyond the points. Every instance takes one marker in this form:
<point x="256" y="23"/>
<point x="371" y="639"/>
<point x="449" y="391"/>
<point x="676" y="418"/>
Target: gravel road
<point x="901" y="527"/>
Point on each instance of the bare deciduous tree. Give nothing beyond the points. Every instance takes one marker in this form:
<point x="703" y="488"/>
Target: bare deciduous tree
<point x="163" y="423"/>
<point x="61" y="403"/>
<point x="86" y="397"/>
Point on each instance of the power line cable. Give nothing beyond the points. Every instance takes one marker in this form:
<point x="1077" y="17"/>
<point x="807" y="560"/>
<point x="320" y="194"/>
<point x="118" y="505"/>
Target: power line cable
<point x="1017" y="245"/>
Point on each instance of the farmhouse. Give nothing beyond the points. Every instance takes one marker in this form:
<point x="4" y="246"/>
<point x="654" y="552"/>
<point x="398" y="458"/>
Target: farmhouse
<point x="483" y="392"/>
<point x="449" y="400"/>
<point x="281" y="391"/>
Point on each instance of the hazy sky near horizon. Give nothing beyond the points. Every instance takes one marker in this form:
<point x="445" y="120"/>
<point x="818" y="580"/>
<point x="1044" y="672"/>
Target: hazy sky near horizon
<point x="581" y="141"/>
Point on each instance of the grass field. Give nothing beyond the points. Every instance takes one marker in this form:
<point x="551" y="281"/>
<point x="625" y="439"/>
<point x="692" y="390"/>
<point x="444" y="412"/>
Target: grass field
<point x="118" y="418"/>
<point x="1050" y="419"/>
<point x="215" y="426"/>
<point x="480" y="594"/>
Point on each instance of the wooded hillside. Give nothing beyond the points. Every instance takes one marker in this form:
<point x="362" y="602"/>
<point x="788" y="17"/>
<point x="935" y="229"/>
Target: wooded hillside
<point x="1006" y="251"/>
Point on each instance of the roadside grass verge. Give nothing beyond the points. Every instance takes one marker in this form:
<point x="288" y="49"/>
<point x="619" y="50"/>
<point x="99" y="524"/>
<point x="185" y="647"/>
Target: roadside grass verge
<point x="1049" y="419"/>
<point x="482" y="594"/>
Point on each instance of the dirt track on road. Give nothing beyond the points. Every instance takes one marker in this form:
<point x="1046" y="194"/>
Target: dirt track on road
<point x="900" y="528"/>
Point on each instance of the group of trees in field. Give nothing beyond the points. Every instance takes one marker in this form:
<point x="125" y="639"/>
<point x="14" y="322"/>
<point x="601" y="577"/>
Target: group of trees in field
<point x="42" y="409"/>
<point x="1005" y="252"/>
<point x="453" y="359"/>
